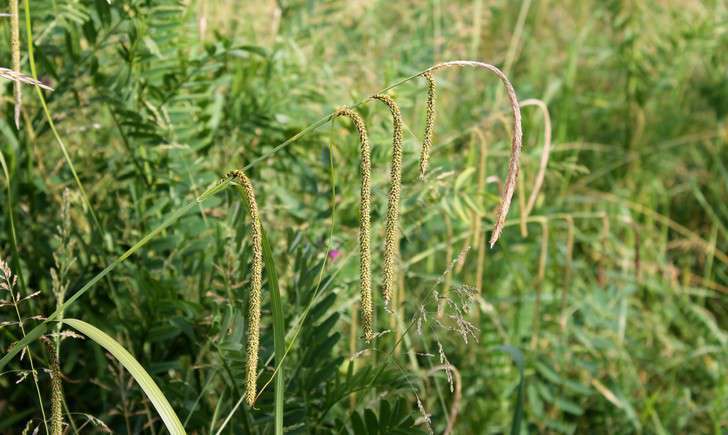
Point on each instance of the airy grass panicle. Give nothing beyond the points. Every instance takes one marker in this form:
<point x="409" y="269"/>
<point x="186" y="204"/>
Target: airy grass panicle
<point x="391" y="228"/>
<point x="367" y="311"/>
<point x="429" y="124"/>
<point x="253" y="343"/>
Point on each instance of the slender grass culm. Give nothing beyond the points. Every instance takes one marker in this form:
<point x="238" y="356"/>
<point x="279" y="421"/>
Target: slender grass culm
<point x="391" y="227"/>
<point x="253" y="343"/>
<point x="367" y="311"/>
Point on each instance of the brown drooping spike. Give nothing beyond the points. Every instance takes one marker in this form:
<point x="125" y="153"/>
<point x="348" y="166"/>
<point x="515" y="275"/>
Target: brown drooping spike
<point x="391" y="229"/>
<point x="365" y="277"/>
<point x="256" y="279"/>
<point x="516" y="139"/>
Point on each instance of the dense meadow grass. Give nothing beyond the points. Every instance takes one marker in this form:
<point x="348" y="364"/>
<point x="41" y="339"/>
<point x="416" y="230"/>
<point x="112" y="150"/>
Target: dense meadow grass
<point x="200" y="232"/>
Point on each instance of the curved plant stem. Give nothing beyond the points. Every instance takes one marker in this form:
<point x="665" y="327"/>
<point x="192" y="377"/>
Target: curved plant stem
<point x="11" y="221"/>
<point x="516" y="139"/>
<point x="540" y="175"/>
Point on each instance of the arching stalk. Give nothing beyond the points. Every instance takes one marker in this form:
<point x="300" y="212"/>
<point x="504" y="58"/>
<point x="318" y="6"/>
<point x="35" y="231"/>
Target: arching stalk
<point x="538" y="181"/>
<point x="516" y="139"/>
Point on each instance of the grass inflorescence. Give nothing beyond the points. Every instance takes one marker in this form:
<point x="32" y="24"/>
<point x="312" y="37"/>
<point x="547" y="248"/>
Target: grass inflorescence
<point x="256" y="279"/>
<point x="391" y="229"/>
<point x="429" y="124"/>
<point x="365" y="274"/>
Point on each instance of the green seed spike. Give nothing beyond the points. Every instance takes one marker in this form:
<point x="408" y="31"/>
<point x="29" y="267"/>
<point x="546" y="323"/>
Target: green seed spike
<point x="365" y="276"/>
<point x="391" y="231"/>
<point x="253" y="344"/>
<point x="429" y="124"/>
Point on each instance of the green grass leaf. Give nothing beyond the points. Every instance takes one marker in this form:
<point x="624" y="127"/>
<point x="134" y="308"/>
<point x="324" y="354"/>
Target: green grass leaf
<point x="517" y="357"/>
<point x="279" y="340"/>
<point x="155" y="395"/>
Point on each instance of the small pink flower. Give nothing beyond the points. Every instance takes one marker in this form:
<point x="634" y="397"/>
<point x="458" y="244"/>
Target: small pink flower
<point x="334" y="254"/>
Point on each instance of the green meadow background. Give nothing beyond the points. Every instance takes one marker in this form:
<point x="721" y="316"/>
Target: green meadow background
<point x="604" y="310"/>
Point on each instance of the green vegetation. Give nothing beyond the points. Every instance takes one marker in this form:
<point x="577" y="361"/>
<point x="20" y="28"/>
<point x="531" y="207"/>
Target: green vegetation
<point x="187" y="191"/>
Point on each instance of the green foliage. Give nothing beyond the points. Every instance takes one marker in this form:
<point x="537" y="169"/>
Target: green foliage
<point x="156" y="100"/>
<point x="388" y="419"/>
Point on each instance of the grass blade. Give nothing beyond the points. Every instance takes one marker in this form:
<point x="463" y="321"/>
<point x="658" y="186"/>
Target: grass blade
<point x="38" y="330"/>
<point x="517" y="357"/>
<point x="52" y="125"/>
<point x="279" y="341"/>
<point x="155" y="395"/>
<point x="11" y="222"/>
